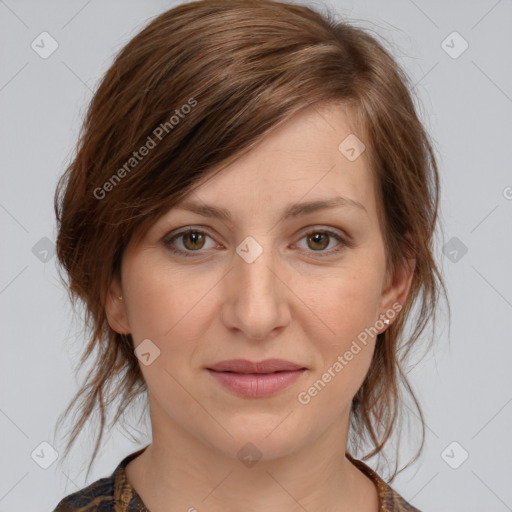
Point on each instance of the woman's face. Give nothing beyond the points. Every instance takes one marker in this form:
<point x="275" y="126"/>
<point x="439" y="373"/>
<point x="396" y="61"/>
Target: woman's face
<point x="264" y="273"/>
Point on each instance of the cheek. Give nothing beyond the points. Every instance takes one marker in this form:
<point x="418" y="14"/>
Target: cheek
<point x="172" y="308"/>
<point x="347" y="305"/>
<point x="346" y="302"/>
<point x="161" y="298"/>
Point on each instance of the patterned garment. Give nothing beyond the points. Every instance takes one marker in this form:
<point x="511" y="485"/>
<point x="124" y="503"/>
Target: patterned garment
<point x="115" y="494"/>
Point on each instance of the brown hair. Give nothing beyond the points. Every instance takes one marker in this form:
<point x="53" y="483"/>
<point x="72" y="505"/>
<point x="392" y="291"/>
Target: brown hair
<point x="242" y="67"/>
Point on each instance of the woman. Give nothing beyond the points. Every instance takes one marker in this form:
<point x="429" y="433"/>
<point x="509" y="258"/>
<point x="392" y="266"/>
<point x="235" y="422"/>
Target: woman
<point x="249" y="220"/>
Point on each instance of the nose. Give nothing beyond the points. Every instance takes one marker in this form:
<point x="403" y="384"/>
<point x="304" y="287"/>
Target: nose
<point x="256" y="294"/>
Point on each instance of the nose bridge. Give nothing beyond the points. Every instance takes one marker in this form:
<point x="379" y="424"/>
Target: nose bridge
<point x="255" y="259"/>
<point x="256" y="291"/>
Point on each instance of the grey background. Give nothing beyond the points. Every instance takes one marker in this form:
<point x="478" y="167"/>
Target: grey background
<point x="464" y="386"/>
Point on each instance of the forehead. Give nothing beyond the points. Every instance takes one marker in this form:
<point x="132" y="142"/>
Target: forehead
<point x="318" y="152"/>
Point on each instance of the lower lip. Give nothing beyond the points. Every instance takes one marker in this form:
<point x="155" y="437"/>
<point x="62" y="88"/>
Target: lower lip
<point x="255" y="385"/>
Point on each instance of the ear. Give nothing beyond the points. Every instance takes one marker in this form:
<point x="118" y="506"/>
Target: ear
<point x="115" y="308"/>
<point x="397" y="286"/>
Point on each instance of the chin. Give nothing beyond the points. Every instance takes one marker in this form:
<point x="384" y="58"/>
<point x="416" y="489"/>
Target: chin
<point x="260" y="440"/>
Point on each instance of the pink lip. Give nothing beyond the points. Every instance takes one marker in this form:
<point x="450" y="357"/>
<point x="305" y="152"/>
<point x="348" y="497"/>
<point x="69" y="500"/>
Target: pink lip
<point x="256" y="379"/>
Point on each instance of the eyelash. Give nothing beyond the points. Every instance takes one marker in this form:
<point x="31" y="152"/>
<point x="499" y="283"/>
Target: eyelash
<point x="344" y="243"/>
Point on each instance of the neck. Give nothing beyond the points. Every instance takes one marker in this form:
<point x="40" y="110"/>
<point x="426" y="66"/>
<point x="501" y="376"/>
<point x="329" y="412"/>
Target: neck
<point x="178" y="472"/>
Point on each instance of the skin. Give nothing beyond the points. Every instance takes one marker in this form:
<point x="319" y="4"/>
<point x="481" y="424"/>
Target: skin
<point x="290" y="303"/>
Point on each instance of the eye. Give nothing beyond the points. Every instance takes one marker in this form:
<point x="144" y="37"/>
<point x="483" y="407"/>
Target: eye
<point x="192" y="240"/>
<point x="318" y="240"/>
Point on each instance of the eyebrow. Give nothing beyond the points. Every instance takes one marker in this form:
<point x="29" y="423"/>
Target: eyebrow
<point x="293" y="211"/>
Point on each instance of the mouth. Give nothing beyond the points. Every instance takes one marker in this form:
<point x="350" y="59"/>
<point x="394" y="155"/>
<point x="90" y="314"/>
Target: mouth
<point x="257" y="367"/>
<point x="255" y="379"/>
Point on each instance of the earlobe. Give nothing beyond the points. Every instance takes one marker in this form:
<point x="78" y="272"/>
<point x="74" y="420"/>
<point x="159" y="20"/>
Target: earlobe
<point x="115" y="309"/>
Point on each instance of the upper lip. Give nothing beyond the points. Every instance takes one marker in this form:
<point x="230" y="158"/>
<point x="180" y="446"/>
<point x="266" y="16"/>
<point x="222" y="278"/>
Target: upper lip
<point x="246" y="366"/>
